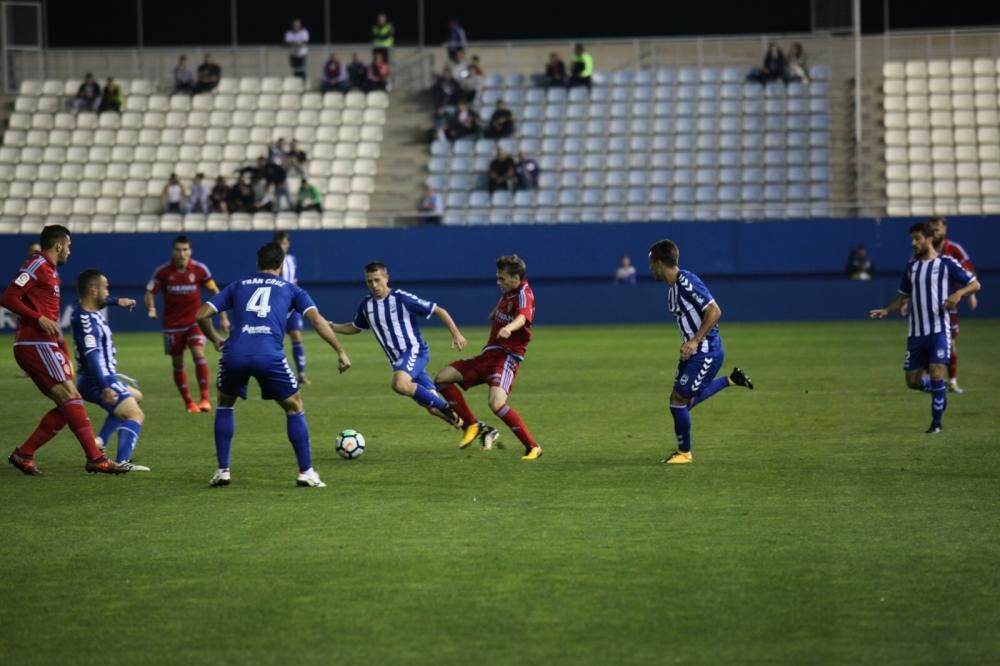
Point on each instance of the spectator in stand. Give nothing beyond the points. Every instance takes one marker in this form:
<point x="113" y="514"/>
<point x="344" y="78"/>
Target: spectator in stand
<point x="277" y="180"/>
<point x="859" y="264"/>
<point x="357" y="72"/>
<point x="297" y="39"/>
<point x="456" y="39"/>
<point x="378" y="74"/>
<point x="626" y="271"/>
<point x="501" y="173"/>
<point x="173" y="195"/>
<point x="112" y="97"/>
<point x="219" y="198"/>
<point x="88" y="95"/>
<point x="446" y="91"/>
<point x="253" y="173"/>
<point x="183" y="78"/>
<point x="555" y="71"/>
<point x="308" y="197"/>
<point x="209" y="74"/>
<point x="582" y="68"/>
<point x="334" y="76"/>
<point x="797" y="67"/>
<point x="501" y="123"/>
<point x="774" y="66"/>
<point x="296" y="159"/>
<point x="527" y="172"/>
<point x="276" y="152"/>
<point x="383" y="37"/>
<point x="464" y="123"/>
<point x="474" y="80"/>
<point x="241" y="197"/>
<point x="263" y="198"/>
<point x="432" y="207"/>
<point x="198" y="199"/>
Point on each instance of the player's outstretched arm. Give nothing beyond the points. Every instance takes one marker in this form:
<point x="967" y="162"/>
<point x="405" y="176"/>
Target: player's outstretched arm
<point x="149" y="300"/>
<point x="326" y="332"/>
<point x="204" y="316"/>
<point x="898" y="302"/>
<point x="343" y="329"/>
<point x="127" y="303"/>
<point x="457" y="339"/>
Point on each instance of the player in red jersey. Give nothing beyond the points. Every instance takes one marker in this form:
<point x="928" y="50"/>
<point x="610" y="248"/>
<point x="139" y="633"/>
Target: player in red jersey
<point x="41" y="351"/>
<point x="181" y="280"/>
<point x="950" y="248"/>
<point x="499" y="360"/>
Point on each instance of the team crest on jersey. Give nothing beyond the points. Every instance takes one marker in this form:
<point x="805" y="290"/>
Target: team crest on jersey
<point x="940" y="353"/>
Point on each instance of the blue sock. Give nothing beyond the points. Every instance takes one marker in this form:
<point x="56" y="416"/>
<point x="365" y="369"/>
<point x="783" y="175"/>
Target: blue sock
<point x="298" y="435"/>
<point x="713" y="387"/>
<point x="111" y="424"/>
<point x="299" y="353"/>
<point x="426" y="398"/>
<point x="225" y="427"/>
<point x="939" y="400"/>
<point x="682" y="426"/>
<point x="926" y="380"/>
<point x="128" y="435"/>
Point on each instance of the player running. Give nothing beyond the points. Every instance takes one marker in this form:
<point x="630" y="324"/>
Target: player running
<point x="41" y="351"/>
<point x="697" y="314"/>
<point x="498" y="362"/>
<point x="392" y="315"/>
<point x="948" y="248"/>
<point x="97" y="359"/>
<point x="289" y="273"/>
<point x="181" y="280"/>
<point x="924" y="287"/>
<point x="260" y="306"/>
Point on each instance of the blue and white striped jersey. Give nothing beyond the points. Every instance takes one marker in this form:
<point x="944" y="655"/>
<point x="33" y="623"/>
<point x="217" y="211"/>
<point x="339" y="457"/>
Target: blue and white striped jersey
<point x="96" y="357"/>
<point x="687" y="299"/>
<point x="926" y="283"/>
<point x="393" y="320"/>
<point x="290" y="269"/>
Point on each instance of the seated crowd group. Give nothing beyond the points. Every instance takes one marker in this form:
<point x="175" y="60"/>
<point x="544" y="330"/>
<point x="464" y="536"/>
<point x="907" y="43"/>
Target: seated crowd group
<point x="90" y="97"/>
<point x="258" y="188"/>
<point x="779" y="68"/>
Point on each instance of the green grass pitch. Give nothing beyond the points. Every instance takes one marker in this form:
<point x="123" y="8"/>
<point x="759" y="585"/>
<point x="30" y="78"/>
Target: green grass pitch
<point x="817" y="525"/>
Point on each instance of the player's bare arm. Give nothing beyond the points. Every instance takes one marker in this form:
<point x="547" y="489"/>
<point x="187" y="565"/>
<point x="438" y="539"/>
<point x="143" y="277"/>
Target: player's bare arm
<point x="959" y="294"/>
<point x="457" y="339"/>
<point x="223" y="317"/>
<point x="516" y="325"/>
<point x="326" y="332"/>
<point x="710" y="317"/>
<point x="343" y="329"/>
<point x="204" y="317"/>
<point x="149" y="300"/>
<point x="896" y="304"/>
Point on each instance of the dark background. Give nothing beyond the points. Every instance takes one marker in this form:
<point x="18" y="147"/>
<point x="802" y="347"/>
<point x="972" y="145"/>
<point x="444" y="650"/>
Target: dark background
<point x="101" y="23"/>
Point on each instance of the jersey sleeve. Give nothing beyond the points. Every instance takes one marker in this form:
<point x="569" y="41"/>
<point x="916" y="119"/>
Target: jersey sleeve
<point x="204" y="274"/>
<point x="696" y="291"/>
<point x="301" y="300"/>
<point x="18" y="287"/>
<point x="86" y="337"/>
<point x="223" y="300"/>
<point x="957" y="273"/>
<point x="526" y="303"/>
<point x="360" y="320"/>
<point x="416" y="305"/>
<point x="154" y="282"/>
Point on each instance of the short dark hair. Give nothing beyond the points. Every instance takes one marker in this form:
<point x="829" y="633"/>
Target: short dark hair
<point x="373" y="266"/>
<point x="666" y="252"/>
<point x="512" y="264"/>
<point x="279" y="236"/>
<point x="87" y="279"/>
<point x="181" y="239"/>
<point x="52" y="234"/>
<point x="922" y="228"/>
<point x="270" y="257"/>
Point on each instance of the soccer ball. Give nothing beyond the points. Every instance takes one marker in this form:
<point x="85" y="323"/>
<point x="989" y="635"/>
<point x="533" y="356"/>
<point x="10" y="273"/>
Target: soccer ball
<point x="350" y="444"/>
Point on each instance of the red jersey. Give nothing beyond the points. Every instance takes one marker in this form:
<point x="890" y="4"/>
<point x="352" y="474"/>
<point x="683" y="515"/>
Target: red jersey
<point x="952" y="249"/>
<point x="520" y="301"/>
<point x="181" y="289"/>
<point x="33" y="293"/>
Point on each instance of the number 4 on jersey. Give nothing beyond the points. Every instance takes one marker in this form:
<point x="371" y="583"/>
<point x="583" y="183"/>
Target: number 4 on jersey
<point x="259" y="302"/>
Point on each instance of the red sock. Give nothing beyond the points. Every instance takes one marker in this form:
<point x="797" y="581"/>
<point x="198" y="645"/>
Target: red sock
<point x="201" y="369"/>
<point x="181" y="378"/>
<point x="953" y="365"/>
<point x="79" y="423"/>
<point x="49" y="427"/>
<point x="454" y="396"/>
<point x="516" y="425"/>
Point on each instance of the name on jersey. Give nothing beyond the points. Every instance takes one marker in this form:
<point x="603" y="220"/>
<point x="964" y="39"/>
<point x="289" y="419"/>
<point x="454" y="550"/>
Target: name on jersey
<point x="504" y="317"/>
<point x="272" y="281"/>
<point x="256" y="330"/>
<point x="182" y="288"/>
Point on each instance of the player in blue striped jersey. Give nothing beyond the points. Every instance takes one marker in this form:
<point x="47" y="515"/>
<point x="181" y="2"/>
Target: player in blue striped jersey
<point x="97" y="361"/>
<point x="393" y="316"/>
<point x="259" y="306"/>
<point x="296" y="324"/>
<point x="697" y="315"/>
<point x="924" y="289"/>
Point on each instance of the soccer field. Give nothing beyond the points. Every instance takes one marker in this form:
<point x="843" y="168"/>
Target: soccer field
<point x="818" y="523"/>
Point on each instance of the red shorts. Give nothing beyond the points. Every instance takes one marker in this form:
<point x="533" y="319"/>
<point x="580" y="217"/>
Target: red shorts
<point x="176" y="339"/>
<point x="953" y="318"/>
<point x="47" y="363"/>
<point x="494" y="367"/>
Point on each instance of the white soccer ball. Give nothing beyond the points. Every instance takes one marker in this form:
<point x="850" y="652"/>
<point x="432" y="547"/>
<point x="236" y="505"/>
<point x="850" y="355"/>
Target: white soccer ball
<point x="350" y="444"/>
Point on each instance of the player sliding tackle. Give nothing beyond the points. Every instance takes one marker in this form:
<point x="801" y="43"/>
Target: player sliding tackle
<point x="260" y="305"/>
<point x="393" y="317"/>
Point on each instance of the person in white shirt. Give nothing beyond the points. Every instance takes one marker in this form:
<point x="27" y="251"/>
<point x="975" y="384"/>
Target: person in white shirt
<point x="297" y="38"/>
<point x="173" y="196"/>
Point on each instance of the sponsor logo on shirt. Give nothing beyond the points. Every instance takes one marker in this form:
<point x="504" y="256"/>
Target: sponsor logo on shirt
<point x="256" y="330"/>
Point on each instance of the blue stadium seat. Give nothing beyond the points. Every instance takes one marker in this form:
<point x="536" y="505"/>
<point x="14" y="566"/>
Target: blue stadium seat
<point x="548" y="180"/>
<point x="819" y="174"/>
<point x="618" y="144"/>
<point x="555" y="112"/>
<point x="551" y="145"/>
<point x="797" y="123"/>
<point x="684" y="108"/>
<point x="817" y="106"/>
<point x="576" y="111"/>
<point x="573" y="144"/>
<point x="751" y="193"/>
<point x="597" y="127"/>
<point x="705" y="176"/>
<point x="820" y="209"/>
<point x="515" y="80"/>
<point x="797" y="174"/>
<point x="774" y="107"/>
<point x="614" y="196"/>
<point x="683" y="195"/>
<point x="753" y="141"/>
<point x="509" y="146"/>
<point x="479" y="199"/>
<point x="491" y="96"/>
<point x="548" y="163"/>
<point x="796" y="105"/>
<point x="795" y="89"/>
<point x="774" y="193"/>
<point x="501" y="199"/>
<point x="523" y="216"/>
<point x="463" y="147"/>
<point x="579" y="95"/>
<point x="708" y="91"/>
<point x="493" y="81"/>
<point x="615" y="178"/>
<point x="752" y="158"/>
<point x="709" y="124"/>
<point x="774" y="90"/>
<point x="684" y="142"/>
<point x="774" y="124"/>
<point x="524" y="198"/>
<point x="774" y="174"/>
<point x="819" y="156"/>
<point x="594" y="161"/>
<point x="645" y="77"/>
<point x="641" y="110"/>
<point x="593" y="178"/>
<point x="796" y="140"/>
<point x="707" y="108"/>
<point x="818" y="90"/>
<point x="710" y="75"/>
<point x="819" y="73"/>
<point x="683" y="177"/>
<point x="637" y="177"/>
<point x="729" y="176"/>
<point x="592" y="197"/>
<point x="729" y="158"/>
<point x="514" y="97"/>
<point x="481" y="164"/>
<point x="529" y="145"/>
<point x="456" y="199"/>
<point x="533" y="112"/>
<point x="485" y="147"/>
<point x="666" y="76"/>
<point x="618" y="126"/>
<point x="641" y="126"/>
<point x="437" y="181"/>
<point x="688" y="75"/>
<point x="733" y="75"/>
<point x="730" y="142"/>
<point x="707" y="142"/>
<point x="753" y="107"/>
<point x="729" y="194"/>
<point x="683" y="160"/>
<point x="663" y="142"/>
<point x="556" y="95"/>
<point x="535" y="96"/>
<point x="552" y="128"/>
<point x="599" y="94"/>
<point x="659" y="195"/>
<point x="707" y="159"/>
<point x="731" y="92"/>
<point x="663" y="108"/>
<point x="568" y="216"/>
<point x="662" y="160"/>
<point x="639" y="144"/>
<point x="501" y="216"/>
<point x="438" y="165"/>
<point x="621" y="94"/>
<point x="753" y="91"/>
<point x="684" y="125"/>
<point x="687" y="93"/>
<point x="751" y="175"/>
<point x="623" y="77"/>
<point x="774" y="140"/>
<point x="531" y="129"/>
<point x="637" y="196"/>
<point x="706" y="194"/>
<point x="595" y="145"/>
<point x="544" y="216"/>
<point x="546" y="198"/>
<point x="796" y="156"/>
<point x="441" y="148"/>
<point x="642" y="93"/>
<point x="569" y="179"/>
<point x="461" y="181"/>
<point x="797" y="192"/>
<point x="665" y="93"/>
<point x="819" y="121"/>
<point x="460" y="164"/>
<point x="819" y="139"/>
<point x="730" y="107"/>
<point x="620" y="110"/>
<point x="663" y="126"/>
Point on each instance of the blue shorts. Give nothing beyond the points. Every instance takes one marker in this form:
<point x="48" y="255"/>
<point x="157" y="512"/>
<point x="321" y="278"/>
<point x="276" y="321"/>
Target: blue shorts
<point x="90" y="389"/>
<point x="296" y="322"/>
<point x="276" y="379"/>
<point x="694" y="374"/>
<point x="923" y="350"/>
<point x="415" y="365"/>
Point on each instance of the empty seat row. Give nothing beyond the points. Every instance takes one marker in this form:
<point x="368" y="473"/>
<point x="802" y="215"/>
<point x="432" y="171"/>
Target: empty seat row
<point x="666" y="75"/>
<point x="940" y="68"/>
<point x="575" y="214"/>
<point x="228" y="85"/>
<point x="172" y="152"/>
<point x="131" y="223"/>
